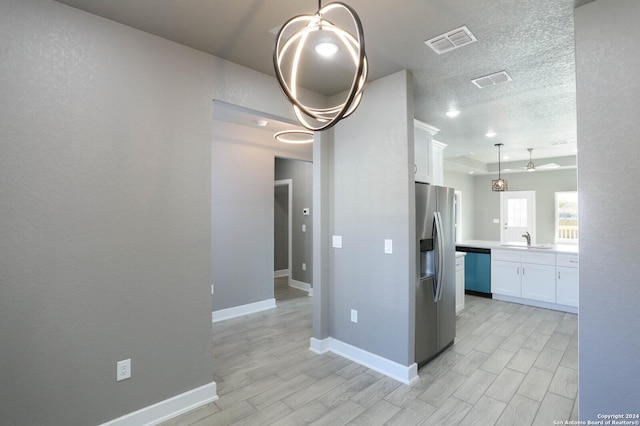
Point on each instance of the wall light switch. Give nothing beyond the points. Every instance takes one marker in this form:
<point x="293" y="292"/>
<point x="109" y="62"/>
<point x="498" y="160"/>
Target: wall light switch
<point x="354" y="316"/>
<point x="336" y="241"/>
<point x="304" y="228"/>
<point x="304" y="266"/>
<point x="496" y="221"/>
<point x="388" y="246"/>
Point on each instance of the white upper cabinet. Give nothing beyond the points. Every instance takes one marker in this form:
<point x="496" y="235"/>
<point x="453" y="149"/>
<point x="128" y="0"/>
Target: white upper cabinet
<point x="428" y="154"/>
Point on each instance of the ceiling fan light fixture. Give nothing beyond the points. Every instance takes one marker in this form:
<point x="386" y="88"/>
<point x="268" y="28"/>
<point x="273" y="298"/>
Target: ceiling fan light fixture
<point x="530" y="166"/>
<point x="499" y="184"/>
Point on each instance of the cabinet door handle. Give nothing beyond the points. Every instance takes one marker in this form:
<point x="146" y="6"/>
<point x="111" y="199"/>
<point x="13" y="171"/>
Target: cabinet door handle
<point x="523" y="270"/>
<point x="518" y="273"/>
<point x="558" y="274"/>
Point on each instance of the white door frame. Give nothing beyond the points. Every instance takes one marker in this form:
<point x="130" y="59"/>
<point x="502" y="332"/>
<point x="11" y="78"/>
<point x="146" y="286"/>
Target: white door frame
<point x="289" y="184"/>
<point x="458" y="218"/>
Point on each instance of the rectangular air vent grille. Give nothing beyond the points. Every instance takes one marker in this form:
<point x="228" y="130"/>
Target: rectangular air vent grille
<point x="492" y="79"/>
<point x="451" y="40"/>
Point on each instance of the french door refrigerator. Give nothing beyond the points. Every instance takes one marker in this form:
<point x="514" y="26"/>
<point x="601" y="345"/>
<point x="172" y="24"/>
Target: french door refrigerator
<point x="435" y="281"/>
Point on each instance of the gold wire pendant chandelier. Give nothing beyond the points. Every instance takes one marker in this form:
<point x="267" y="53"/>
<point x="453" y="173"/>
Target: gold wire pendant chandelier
<point x="291" y="43"/>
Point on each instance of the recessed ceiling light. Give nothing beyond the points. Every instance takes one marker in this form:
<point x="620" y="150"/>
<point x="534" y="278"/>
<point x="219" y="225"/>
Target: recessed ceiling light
<point x="471" y="172"/>
<point x="326" y="48"/>
<point x="490" y="134"/>
<point x="262" y="123"/>
<point x="453" y="113"/>
<point x="294" y="136"/>
<point x="506" y="157"/>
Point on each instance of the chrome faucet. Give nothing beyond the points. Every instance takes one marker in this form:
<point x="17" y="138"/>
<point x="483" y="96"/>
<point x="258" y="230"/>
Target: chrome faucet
<point x="528" y="237"/>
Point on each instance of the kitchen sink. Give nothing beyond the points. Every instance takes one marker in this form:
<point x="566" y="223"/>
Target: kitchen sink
<point x="542" y="246"/>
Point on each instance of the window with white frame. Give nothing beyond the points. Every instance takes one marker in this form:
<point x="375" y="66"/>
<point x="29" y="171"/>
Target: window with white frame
<point x="567" y="217"/>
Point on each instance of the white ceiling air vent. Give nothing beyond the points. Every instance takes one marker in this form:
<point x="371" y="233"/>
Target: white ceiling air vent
<point x="491" y="80"/>
<point x="561" y="142"/>
<point x="451" y="40"/>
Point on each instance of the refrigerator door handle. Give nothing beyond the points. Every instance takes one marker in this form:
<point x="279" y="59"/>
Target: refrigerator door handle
<point x="440" y="270"/>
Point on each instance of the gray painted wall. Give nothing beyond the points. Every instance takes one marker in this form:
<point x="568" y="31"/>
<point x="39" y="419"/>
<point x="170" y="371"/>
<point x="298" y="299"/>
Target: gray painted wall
<point x="464" y="183"/>
<point x="371" y="200"/>
<point x="301" y="173"/>
<point x="105" y="189"/>
<point x="281" y="228"/>
<point x="607" y="53"/>
<point x="486" y="205"/>
<point x="242" y="212"/>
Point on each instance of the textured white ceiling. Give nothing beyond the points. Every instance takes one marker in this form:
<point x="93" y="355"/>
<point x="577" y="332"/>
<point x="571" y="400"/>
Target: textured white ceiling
<point x="531" y="39"/>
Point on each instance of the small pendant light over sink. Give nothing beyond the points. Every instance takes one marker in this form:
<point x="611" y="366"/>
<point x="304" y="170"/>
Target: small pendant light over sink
<point x="290" y="46"/>
<point x="498" y="184"/>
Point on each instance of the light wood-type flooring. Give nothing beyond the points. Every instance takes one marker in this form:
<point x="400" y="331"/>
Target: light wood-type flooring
<point x="510" y="365"/>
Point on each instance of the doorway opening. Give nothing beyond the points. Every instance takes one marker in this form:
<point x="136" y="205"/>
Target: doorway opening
<point x="282" y="224"/>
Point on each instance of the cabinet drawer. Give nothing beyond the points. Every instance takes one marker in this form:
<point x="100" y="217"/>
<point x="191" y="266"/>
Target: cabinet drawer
<point x="506" y="255"/>
<point x="568" y="260"/>
<point x="539" y="258"/>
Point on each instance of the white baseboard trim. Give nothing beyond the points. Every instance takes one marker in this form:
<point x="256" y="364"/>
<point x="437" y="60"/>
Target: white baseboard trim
<point x="281" y="273"/>
<point x="169" y="408"/>
<point x="536" y="303"/>
<point x="238" y="311"/>
<point x="320" y="346"/>
<point x="301" y="286"/>
<point x="399" y="372"/>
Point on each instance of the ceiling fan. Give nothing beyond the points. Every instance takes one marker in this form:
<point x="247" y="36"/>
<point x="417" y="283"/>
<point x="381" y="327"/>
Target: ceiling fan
<point x="530" y="167"/>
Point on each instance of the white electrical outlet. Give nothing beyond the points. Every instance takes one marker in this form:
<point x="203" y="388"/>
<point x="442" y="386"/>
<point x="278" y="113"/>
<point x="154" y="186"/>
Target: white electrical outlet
<point x="304" y="228"/>
<point x="388" y="246"/>
<point x="354" y="316"/>
<point x="496" y="221"/>
<point x="211" y="288"/>
<point x="123" y="369"/>
<point x="336" y="241"/>
<point x="304" y="266"/>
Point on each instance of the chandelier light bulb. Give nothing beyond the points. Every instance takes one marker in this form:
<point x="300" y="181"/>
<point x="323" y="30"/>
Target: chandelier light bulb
<point x="326" y="49"/>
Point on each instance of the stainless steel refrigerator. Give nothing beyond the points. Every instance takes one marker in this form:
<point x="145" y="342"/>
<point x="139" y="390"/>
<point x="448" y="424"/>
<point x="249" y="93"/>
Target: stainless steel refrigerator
<point x="435" y="280"/>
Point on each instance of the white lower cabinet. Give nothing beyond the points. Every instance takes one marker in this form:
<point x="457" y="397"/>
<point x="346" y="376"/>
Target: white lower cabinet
<point x="505" y="278"/>
<point x="567" y="288"/>
<point x="538" y="282"/>
<point x="534" y="277"/>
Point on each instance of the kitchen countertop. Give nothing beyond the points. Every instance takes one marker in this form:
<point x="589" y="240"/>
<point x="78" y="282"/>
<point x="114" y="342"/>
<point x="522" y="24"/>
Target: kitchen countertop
<point x="544" y="248"/>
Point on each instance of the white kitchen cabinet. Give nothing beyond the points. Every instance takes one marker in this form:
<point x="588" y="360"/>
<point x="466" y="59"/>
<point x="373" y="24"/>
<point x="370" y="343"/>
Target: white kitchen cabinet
<point x="459" y="282"/>
<point x="567" y="288"/>
<point x="437" y="162"/>
<point x="529" y="275"/>
<point x="424" y="154"/>
<point x="535" y="277"/>
<point x="505" y="278"/>
<point x="538" y="282"/>
<point x="505" y="272"/>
